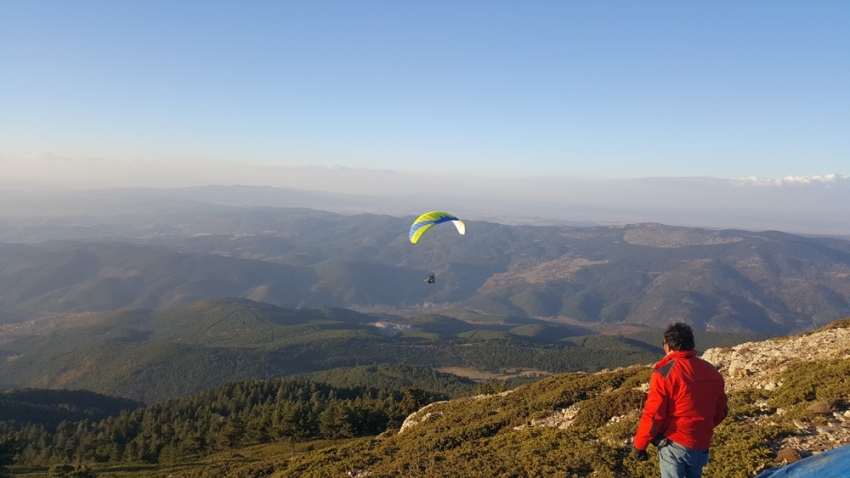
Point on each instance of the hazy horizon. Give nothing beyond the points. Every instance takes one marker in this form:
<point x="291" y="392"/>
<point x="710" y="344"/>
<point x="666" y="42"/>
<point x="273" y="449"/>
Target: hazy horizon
<point x="716" y="115"/>
<point x="816" y="205"/>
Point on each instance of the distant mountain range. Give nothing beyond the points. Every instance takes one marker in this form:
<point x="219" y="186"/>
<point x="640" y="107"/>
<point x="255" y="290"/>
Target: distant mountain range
<point x="644" y="275"/>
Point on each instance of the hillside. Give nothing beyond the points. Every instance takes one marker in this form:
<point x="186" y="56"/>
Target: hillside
<point x="61" y="277"/>
<point x="789" y="398"/>
<point x="781" y="409"/>
<point x="641" y="275"/>
<point x="151" y="356"/>
<point x="51" y="407"/>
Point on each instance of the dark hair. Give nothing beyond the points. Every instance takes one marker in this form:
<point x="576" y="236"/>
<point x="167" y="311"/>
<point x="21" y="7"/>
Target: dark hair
<point x="679" y="336"/>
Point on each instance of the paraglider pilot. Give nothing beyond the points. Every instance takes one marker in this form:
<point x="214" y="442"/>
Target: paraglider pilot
<point x="430" y="279"/>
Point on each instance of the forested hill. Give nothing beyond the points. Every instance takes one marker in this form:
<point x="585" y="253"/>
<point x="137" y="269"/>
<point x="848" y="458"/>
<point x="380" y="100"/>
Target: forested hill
<point x="51" y="407"/>
<point x="642" y="274"/>
<point x="788" y="398"/>
<point x="223" y="418"/>
<point x="152" y="356"/>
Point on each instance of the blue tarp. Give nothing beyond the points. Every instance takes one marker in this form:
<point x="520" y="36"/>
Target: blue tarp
<point x="829" y="464"/>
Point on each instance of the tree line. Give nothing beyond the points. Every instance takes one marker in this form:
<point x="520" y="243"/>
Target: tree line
<point x="230" y="416"/>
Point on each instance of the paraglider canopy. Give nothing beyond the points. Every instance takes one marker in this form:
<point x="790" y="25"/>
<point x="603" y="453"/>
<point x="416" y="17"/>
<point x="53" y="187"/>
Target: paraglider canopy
<point x="431" y="219"/>
<point x="830" y="464"/>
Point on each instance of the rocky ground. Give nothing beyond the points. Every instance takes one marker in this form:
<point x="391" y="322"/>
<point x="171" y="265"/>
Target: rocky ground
<point x="749" y="366"/>
<point x="759" y="364"/>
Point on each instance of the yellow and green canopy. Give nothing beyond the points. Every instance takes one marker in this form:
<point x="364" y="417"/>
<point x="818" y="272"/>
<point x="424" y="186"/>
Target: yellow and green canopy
<point x="431" y="219"/>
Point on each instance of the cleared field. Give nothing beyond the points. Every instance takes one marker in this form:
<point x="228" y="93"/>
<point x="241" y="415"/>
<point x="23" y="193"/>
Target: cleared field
<point x="501" y="374"/>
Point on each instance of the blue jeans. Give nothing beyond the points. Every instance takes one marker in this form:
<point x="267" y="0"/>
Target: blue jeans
<point x="678" y="461"/>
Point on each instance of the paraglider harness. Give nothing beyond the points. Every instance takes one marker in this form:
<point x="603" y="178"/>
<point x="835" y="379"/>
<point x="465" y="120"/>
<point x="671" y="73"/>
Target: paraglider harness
<point x="430" y="279"/>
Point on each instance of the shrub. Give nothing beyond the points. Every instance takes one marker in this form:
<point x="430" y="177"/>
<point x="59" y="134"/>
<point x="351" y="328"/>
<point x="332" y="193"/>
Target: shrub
<point x="788" y="455"/>
<point x="820" y="408"/>
<point x="739" y="451"/>
<point x="597" y="412"/>
<point x="638" y="378"/>
<point x="826" y="381"/>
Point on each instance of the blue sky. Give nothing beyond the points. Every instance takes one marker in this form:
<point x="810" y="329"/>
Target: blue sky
<point x="601" y="90"/>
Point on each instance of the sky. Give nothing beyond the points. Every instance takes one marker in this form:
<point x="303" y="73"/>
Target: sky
<point x="318" y="94"/>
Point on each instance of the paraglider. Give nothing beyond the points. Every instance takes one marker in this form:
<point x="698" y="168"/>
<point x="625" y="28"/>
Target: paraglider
<point x="428" y="220"/>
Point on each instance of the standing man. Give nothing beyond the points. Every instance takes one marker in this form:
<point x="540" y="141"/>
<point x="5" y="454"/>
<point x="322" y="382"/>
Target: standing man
<point x="686" y="401"/>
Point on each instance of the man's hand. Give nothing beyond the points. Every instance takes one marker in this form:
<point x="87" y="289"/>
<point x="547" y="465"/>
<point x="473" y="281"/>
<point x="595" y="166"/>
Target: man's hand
<point x="640" y="455"/>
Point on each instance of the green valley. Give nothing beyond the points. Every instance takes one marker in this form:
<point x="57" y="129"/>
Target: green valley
<point x="153" y="356"/>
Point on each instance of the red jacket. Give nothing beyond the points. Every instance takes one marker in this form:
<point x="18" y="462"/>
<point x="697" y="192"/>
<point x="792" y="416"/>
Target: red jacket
<point x="686" y="401"/>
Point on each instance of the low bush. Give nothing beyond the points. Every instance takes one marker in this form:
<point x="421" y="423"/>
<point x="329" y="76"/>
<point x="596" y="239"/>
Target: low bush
<point x="825" y="381"/>
<point x="598" y="411"/>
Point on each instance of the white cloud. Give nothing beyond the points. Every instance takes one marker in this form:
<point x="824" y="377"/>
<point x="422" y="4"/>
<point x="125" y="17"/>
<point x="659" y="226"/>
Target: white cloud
<point x="825" y="179"/>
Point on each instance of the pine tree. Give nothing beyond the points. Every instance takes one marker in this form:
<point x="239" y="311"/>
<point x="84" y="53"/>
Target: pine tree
<point x="334" y="422"/>
<point x="232" y="433"/>
<point x="414" y="399"/>
<point x="7" y="454"/>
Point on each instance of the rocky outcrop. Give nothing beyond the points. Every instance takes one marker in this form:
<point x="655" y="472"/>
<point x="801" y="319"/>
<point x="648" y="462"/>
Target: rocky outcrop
<point x="759" y="364"/>
<point x="563" y="418"/>
<point x="420" y="416"/>
<point x="749" y="366"/>
<point x="423" y="415"/>
<point x="813" y="439"/>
